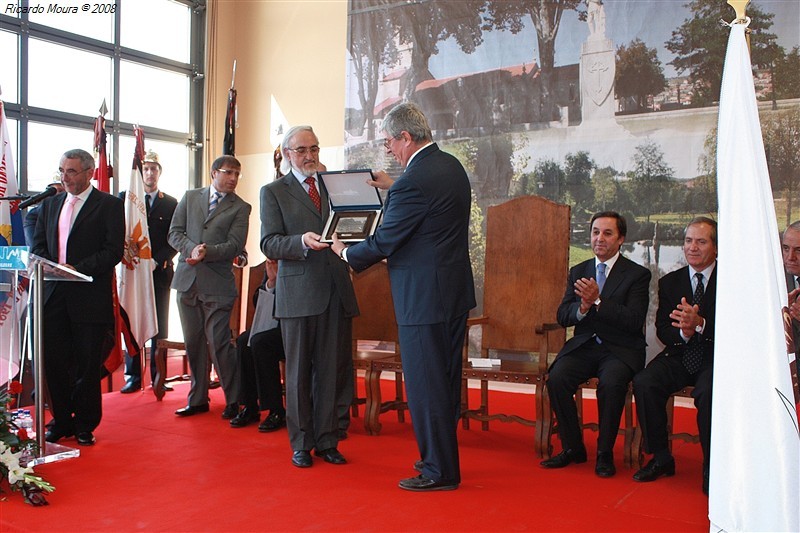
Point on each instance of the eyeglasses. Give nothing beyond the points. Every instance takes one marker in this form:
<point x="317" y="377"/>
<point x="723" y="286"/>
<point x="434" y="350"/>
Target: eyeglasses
<point x="71" y="172"/>
<point x="390" y="139"/>
<point x="234" y="173"/>
<point x="303" y="150"/>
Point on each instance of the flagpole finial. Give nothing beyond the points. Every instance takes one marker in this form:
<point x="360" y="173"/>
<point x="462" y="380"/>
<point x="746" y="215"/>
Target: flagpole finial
<point x="739" y="6"/>
<point x="103" y="108"/>
<point x="233" y="77"/>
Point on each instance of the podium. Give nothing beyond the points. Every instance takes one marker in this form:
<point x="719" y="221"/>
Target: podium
<point x="38" y="270"/>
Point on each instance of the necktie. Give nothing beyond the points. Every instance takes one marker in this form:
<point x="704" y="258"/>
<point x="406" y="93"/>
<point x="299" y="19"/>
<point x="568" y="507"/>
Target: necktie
<point x="64" y="225"/>
<point x="314" y="193"/>
<point x="147" y="203"/>
<point x="214" y="203"/>
<point x="601" y="276"/>
<point x="693" y="354"/>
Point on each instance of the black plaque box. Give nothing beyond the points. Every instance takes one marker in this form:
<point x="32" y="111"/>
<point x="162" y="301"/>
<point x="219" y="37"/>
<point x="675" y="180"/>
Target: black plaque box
<point x="355" y="205"/>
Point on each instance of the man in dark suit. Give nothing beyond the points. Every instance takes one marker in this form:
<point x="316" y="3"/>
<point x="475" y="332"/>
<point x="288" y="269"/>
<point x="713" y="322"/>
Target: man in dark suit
<point x="790" y="244"/>
<point x="83" y="229"/>
<point x="606" y="300"/>
<point x="209" y="230"/>
<point x="425" y="236"/>
<point x="160" y="207"/>
<point x="314" y="301"/>
<point x="685" y="325"/>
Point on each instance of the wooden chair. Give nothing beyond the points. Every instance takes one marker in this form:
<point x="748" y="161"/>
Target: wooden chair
<point x="164" y="345"/>
<point x="375" y="345"/>
<point x="527" y="256"/>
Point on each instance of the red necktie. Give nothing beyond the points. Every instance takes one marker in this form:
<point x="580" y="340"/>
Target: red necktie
<point x="314" y="193"/>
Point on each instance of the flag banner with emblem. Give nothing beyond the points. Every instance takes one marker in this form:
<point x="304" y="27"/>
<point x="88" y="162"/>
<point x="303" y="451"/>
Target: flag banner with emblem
<point x="229" y="140"/>
<point x="136" y="293"/>
<point x="755" y="443"/>
<point x="12" y="301"/>
<point x="103" y="172"/>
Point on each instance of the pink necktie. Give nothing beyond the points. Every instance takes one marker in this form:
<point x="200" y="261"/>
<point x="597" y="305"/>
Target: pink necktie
<point x="64" y="224"/>
<point x="314" y="193"/>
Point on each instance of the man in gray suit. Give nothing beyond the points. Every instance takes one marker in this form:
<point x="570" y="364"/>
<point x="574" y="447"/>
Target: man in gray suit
<point x="314" y="300"/>
<point x="209" y="229"/>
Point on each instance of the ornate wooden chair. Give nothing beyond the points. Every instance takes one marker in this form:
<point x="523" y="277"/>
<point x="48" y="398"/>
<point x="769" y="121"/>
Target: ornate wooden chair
<point x="527" y="255"/>
<point x="375" y="345"/>
<point x="637" y="453"/>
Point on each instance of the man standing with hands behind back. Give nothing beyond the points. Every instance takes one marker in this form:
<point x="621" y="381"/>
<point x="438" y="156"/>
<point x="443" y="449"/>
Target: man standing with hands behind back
<point x="160" y="207"/>
<point x="606" y="300"/>
<point x="209" y="229"/>
<point x="314" y="301"/>
<point x="84" y="229"/>
<point x="425" y="236"/>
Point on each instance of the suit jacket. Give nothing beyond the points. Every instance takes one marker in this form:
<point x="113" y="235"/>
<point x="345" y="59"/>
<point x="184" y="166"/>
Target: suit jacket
<point x="224" y="232"/>
<point x="95" y="245"/>
<point x="795" y="324"/>
<point x="305" y="278"/>
<point x="619" y="320"/>
<point x="158" y="222"/>
<point x="671" y="288"/>
<point x="425" y="236"/>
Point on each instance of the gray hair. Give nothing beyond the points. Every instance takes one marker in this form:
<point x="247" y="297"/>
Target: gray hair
<point x="794" y="226"/>
<point x="704" y="220"/>
<point x="286" y="165"/>
<point x="86" y="159"/>
<point x="408" y="117"/>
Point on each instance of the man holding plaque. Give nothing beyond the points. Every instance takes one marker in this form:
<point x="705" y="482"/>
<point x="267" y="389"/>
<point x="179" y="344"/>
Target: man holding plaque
<point x="425" y="236"/>
<point x="314" y="301"/>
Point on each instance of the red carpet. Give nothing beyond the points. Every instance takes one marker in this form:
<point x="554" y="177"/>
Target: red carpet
<point x="151" y="471"/>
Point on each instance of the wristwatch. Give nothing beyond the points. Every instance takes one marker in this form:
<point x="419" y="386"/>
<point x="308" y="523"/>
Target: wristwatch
<point x="597" y="302"/>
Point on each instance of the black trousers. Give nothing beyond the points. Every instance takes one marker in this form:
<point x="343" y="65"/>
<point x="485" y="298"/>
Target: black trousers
<point x="260" y="372"/>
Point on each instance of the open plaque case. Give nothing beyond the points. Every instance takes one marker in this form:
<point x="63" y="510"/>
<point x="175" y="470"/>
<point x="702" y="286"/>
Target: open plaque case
<point x="355" y="205"/>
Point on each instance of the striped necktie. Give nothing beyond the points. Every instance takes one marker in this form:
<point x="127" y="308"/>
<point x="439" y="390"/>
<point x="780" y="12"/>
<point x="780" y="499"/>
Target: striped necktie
<point x="693" y="353"/>
<point x="214" y="203"/>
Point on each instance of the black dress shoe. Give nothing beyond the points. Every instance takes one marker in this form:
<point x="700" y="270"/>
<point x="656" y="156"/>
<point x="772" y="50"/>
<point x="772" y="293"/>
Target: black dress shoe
<point x="331" y="455"/>
<point x="85" y="438"/>
<point x="565" y="457"/>
<point x="245" y="417"/>
<point x="190" y="410"/>
<point x="301" y="459"/>
<point x="654" y="470"/>
<point x="418" y="466"/>
<point x="605" y="464"/>
<point x="230" y="411"/>
<point x="214" y="384"/>
<point x="422" y="483"/>
<point x="273" y="422"/>
<point x="54" y="435"/>
<point x="130" y="387"/>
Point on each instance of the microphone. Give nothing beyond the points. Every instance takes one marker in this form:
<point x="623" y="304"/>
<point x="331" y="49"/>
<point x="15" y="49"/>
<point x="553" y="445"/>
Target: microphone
<point x="48" y="192"/>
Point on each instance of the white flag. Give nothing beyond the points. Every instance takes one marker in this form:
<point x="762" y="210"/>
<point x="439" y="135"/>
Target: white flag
<point x="12" y="303"/>
<point x="755" y="444"/>
<point x="136" y="294"/>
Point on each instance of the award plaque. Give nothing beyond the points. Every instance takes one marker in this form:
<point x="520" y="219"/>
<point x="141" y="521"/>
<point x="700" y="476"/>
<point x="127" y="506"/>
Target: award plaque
<point x="355" y="205"/>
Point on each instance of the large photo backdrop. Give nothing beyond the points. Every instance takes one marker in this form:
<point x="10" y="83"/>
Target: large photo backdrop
<point x="595" y="104"/>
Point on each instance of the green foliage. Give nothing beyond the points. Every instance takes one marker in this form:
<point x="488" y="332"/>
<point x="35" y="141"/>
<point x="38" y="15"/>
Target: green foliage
<point x="639" y="72"/>
<point x="787" y="75"/>
<point x="650" y="178"/>
<point x="699" y="45"/>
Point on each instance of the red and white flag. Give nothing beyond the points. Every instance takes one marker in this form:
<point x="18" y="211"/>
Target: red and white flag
<point x="136" y="293"/>
<point x="755" y="443"/>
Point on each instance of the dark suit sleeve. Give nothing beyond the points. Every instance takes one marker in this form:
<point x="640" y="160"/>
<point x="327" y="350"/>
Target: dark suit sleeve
<point x="627" y="314"/>
<point x="113" y="246"/>
<point x="405" y="211"/>
<point x="166" y="252"/>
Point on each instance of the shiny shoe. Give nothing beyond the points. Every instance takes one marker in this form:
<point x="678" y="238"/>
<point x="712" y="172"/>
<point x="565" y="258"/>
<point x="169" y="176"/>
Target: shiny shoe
<point x="230" y="411"/>
<point x="605" y="464"/>
<point x="332" y="456"/>
<point x="85" y="438"/>
<point x="422" y="483"/>
<point x="654" y="470"/>
<point x="191" y="410"/>
<point x="273" y="422"/>
<point x="565" y="457"/>
<point x="245" y="417"/>
<point x="131" y="387"/>
<point x="301" y="459"/>
<point x="54" y="435"/>
<point x="418" y="466"/>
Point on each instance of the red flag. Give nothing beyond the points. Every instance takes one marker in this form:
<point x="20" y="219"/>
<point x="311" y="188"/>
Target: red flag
<point x="229" y="141"/>
<point x="103" y="172"/>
